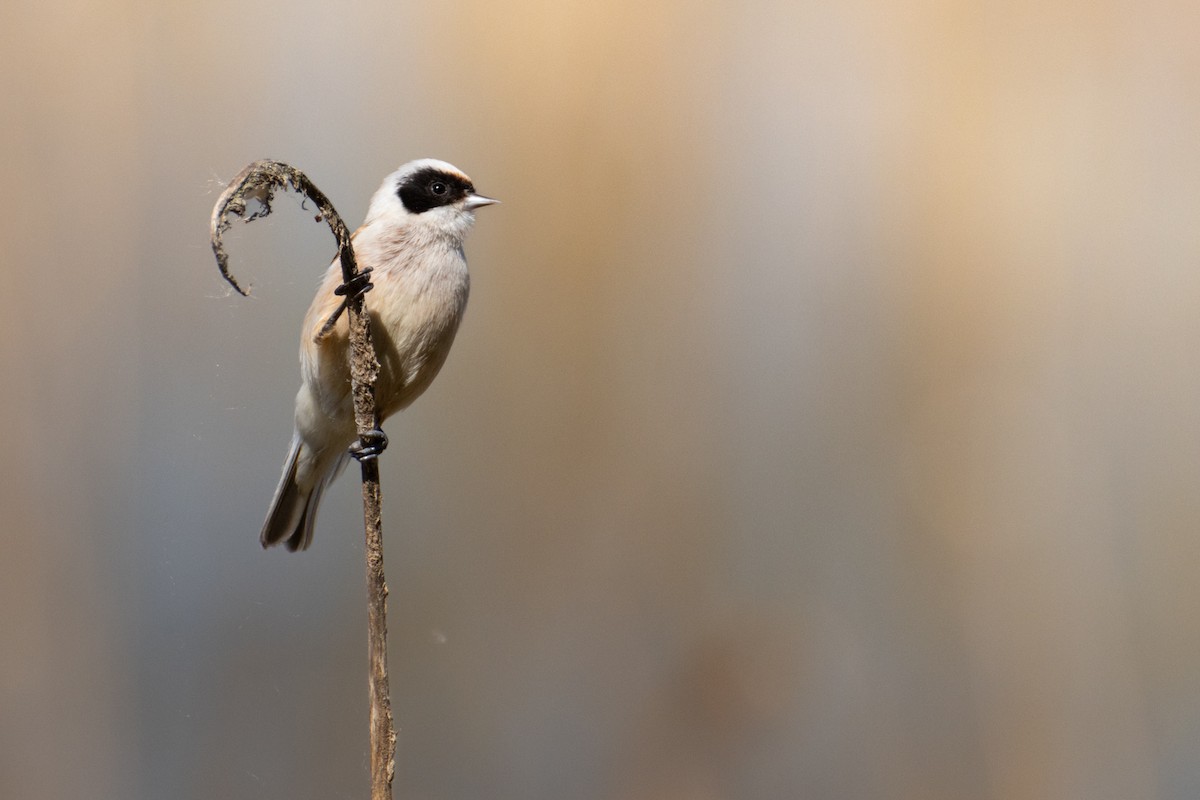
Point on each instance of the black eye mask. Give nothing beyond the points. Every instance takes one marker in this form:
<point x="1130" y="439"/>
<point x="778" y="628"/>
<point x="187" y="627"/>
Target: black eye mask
<point x="431" y="188"/>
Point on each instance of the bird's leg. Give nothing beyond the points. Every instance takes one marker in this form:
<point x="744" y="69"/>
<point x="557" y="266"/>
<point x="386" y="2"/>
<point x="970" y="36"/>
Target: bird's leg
<point x="369" y="445"/>
<point x="357" y="286"/>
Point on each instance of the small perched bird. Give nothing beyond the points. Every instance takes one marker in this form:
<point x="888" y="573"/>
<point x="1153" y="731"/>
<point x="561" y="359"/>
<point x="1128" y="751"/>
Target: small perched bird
<point x="412" y="243"/>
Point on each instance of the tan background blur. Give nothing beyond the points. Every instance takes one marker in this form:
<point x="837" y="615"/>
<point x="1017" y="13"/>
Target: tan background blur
<point x="824" y="423"/>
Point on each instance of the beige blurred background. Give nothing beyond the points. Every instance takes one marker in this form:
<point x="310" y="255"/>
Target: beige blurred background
<point x="824" y="423"/>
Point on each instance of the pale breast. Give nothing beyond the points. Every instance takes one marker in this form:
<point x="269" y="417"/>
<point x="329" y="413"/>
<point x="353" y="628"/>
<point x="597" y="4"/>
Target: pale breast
<point x="416" y="306"/>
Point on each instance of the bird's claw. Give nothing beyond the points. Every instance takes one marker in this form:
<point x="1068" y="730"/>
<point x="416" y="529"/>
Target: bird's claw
<point x="357" y="286"/>
<point x="369" y="445"/>
<point x="349" y="291"/>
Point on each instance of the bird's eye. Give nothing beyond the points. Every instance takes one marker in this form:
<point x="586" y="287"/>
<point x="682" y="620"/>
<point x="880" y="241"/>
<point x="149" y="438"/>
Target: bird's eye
<point x="439" y="188"/>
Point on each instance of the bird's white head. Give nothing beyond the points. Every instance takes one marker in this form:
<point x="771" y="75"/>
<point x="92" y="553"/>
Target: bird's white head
<point x="427" y="193"/>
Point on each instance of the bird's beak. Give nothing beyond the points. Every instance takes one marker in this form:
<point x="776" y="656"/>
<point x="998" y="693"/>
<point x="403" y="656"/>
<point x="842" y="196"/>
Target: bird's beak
<point x="475" y="201"/>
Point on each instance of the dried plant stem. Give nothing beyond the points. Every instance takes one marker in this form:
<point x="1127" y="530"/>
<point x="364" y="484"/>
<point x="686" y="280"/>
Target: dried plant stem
<point x="383" y="734"/>
<point x="259" y="181"/>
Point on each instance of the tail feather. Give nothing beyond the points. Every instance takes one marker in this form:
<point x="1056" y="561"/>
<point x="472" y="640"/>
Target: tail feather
<point x="288" y="504"/>
<point x="302" y="535"/>
<point x="293" y="512"/>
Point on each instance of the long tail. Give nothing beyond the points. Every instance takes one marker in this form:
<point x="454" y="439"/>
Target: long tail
<point x="293" y="511"/>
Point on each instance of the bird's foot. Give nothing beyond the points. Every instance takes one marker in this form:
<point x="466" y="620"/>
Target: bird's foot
<point x="352" y="289"/>
<point x="369" y="445"/>
<point x="357" y="286"/>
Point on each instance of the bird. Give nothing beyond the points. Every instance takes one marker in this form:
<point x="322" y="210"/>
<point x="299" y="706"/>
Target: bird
<point x="411" y="246"/>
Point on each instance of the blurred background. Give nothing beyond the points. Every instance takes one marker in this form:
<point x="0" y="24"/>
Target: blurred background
<point x="824" y="423"/>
